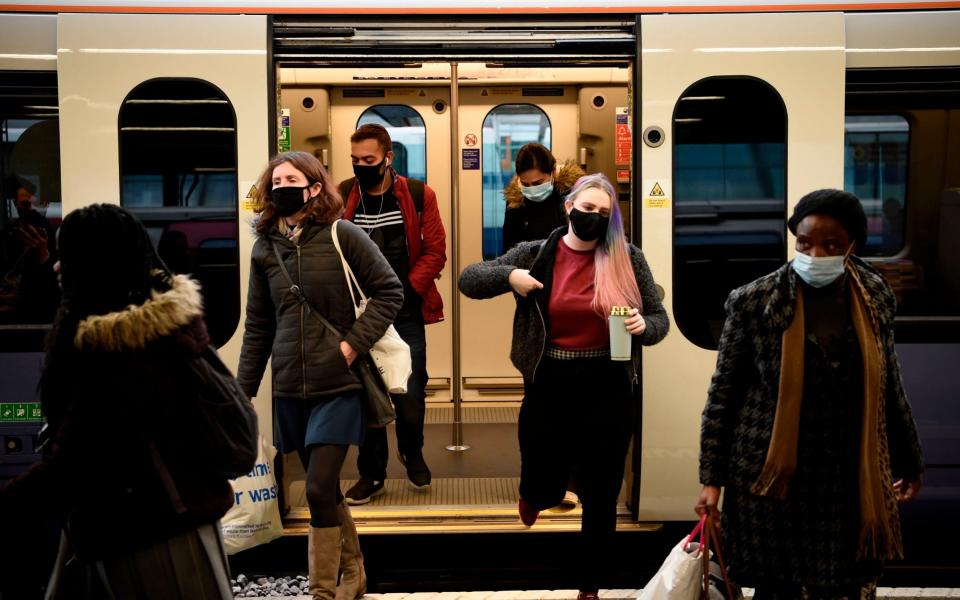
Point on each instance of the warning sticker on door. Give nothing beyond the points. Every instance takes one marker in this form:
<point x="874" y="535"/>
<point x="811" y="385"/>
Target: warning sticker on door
<point x="249" y="202"/>
<point x="656" y="193"/>
<point x="471" y="159"/>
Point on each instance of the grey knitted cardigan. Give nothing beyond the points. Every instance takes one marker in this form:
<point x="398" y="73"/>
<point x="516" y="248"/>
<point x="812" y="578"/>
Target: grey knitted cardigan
<point x="530" y="321"/>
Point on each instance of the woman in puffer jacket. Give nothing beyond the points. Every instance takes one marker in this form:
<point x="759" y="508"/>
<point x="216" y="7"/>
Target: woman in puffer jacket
<point x="318" y="396"/>
<point x="142" y="447"/>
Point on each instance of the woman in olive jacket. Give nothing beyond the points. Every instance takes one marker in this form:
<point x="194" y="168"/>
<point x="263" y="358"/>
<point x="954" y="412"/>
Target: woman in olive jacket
<point x="318" y="395"/>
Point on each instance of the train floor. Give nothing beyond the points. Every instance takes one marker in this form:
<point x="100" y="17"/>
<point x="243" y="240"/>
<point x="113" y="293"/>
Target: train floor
<point x="472" y="491"/>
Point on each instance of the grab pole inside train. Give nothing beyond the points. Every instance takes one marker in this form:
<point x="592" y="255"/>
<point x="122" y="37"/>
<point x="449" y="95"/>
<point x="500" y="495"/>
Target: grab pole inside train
<point x="457" y="444"/>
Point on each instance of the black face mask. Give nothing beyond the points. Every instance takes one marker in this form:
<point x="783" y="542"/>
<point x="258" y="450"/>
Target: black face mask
<point x="369" y="176"/>
<point x="288" y="200"/>
<point x="588" y="226"/>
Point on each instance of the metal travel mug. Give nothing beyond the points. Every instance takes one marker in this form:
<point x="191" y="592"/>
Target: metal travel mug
<point x="619" y="336"/>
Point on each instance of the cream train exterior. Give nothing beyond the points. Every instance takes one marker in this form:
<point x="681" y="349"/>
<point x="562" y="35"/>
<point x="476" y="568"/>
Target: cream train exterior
<point x="102" y="50"/>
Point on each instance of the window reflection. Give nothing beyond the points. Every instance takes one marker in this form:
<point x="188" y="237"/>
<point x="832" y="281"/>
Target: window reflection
<point x="729" y="186"/>
<point x="29" y="202"/>
<point x="408" y="134"/>
<point x="178" y="174"/>
<point x="506" y="129"/>
<point x="875" y="169"/>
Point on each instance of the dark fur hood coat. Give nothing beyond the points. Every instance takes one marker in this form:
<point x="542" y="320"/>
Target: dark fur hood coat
<point x="128" y="463"/>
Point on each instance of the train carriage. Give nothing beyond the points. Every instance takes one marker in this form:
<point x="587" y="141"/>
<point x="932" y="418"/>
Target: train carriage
<point x="713" y="118"/>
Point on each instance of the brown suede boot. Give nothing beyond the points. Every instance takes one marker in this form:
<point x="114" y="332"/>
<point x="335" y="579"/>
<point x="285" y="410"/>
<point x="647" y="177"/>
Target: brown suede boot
<point x="323" y="554"/>
<point x="353" y="580"/>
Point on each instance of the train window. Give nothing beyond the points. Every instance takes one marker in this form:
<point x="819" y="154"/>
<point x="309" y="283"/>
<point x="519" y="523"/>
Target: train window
<point x="903" y="140"/>
<point x="875" y="169"/>
<point x="29" y="207"/>
<point x="729" y="186"/>
<point x="408" y="134"/>
<point x="506" y="129"/>
<point x="178" y="174"/>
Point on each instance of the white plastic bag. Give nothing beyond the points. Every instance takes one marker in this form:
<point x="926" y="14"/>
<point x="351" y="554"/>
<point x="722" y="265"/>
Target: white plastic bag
<point x="254" y="518"/>
<point x="681" y="575"/>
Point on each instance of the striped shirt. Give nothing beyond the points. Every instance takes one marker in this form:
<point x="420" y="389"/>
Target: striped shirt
<point x="380" y="217"/>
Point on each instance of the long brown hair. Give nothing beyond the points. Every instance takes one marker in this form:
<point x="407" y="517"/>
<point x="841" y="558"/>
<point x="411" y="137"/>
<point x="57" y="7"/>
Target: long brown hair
<point x="326" y="208"/>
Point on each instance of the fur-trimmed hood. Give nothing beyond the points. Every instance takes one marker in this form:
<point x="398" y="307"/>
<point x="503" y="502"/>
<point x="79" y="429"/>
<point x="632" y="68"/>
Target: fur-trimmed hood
<point x="138" y="325"/>
<point x="568" y="174"/>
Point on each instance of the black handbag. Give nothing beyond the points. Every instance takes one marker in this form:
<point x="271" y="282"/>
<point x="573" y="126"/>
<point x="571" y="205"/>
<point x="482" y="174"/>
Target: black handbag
<point x="380" y="411"/>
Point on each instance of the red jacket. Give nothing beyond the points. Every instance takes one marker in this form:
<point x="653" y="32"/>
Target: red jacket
<point x="426" y="242"/>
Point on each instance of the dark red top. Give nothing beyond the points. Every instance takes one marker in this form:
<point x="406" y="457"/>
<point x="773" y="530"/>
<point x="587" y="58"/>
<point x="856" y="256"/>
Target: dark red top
<point x="574" y="325"/>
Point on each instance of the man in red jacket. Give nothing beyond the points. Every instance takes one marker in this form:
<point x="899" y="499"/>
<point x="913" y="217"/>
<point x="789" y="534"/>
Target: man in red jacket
<point x="402" y="217"/>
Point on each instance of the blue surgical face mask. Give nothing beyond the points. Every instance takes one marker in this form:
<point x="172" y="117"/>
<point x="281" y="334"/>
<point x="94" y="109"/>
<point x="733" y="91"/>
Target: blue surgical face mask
<point x="818" y="271"/>
<point x="537" y="193"/>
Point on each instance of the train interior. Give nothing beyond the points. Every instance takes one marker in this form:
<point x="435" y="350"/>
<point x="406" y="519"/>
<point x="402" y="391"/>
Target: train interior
<point x="458" y="109"/>
<point x="499" y="108"/>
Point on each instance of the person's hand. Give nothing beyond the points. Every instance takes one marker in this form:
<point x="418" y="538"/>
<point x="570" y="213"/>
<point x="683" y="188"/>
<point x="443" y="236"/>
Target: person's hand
<point x="35" y="240"/>
<point x="635" y="323"/>
<point x="907" y="490"/>
<point x="708" y="501"/>
<point x="349" y="354"/>
<point x="522" y="283"/>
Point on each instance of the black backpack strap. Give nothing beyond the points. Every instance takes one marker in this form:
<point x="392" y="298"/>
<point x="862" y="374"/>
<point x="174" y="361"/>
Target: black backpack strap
<point x="298" y="292"/>
<point x="345" y="187"/>
<point x="416" y="192"/>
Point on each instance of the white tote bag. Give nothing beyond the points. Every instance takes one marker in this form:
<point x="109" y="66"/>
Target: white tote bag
<point x="390" y="353"/>
<point x="681" y="575"/>
<point x="254" y="518"/>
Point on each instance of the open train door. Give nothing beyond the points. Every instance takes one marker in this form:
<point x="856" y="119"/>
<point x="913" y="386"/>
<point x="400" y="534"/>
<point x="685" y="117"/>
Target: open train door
<point x="723" y="98"/>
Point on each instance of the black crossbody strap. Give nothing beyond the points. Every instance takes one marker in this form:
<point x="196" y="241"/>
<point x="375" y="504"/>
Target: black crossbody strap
<point x="298" y="292"/>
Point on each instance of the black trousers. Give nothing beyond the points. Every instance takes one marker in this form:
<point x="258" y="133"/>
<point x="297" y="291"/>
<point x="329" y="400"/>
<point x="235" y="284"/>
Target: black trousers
<point x="410" y="407"/>
<point x="576" y="421"/>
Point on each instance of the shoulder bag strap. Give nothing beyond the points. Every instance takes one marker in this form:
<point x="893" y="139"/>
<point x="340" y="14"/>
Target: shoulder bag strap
<point x="712" y="539"/>
<point x="298" y="292"/>
<point x="347" y="271"/>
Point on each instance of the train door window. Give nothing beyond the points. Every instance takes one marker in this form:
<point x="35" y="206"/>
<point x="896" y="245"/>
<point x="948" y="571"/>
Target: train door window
<point x="902" y="149"/>
<point x="729" y="186"/>
<point x="29" y="206"/>
<point x="506" y="129"/>
<point x="875" y="169"/>
<point x="178" y="174"/>
<point x="408" y="134"/>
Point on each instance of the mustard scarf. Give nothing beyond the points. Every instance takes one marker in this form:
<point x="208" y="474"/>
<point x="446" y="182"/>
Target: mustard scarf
<point x="879" y="518"/>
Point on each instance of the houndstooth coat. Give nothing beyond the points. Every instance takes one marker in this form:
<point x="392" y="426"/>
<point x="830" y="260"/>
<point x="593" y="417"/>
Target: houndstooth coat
<point x="810" y="537"/>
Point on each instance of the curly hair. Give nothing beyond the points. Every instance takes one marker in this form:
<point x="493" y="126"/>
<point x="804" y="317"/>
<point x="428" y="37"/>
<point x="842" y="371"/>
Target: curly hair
<point x="326" y="208"/>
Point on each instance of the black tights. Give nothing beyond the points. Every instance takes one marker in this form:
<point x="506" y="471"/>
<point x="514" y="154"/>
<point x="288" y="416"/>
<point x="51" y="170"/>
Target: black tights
<point x="323" y="462"/>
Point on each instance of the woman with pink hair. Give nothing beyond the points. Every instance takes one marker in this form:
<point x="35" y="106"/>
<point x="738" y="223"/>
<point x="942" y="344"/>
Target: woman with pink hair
<point x="580" y="407"/>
